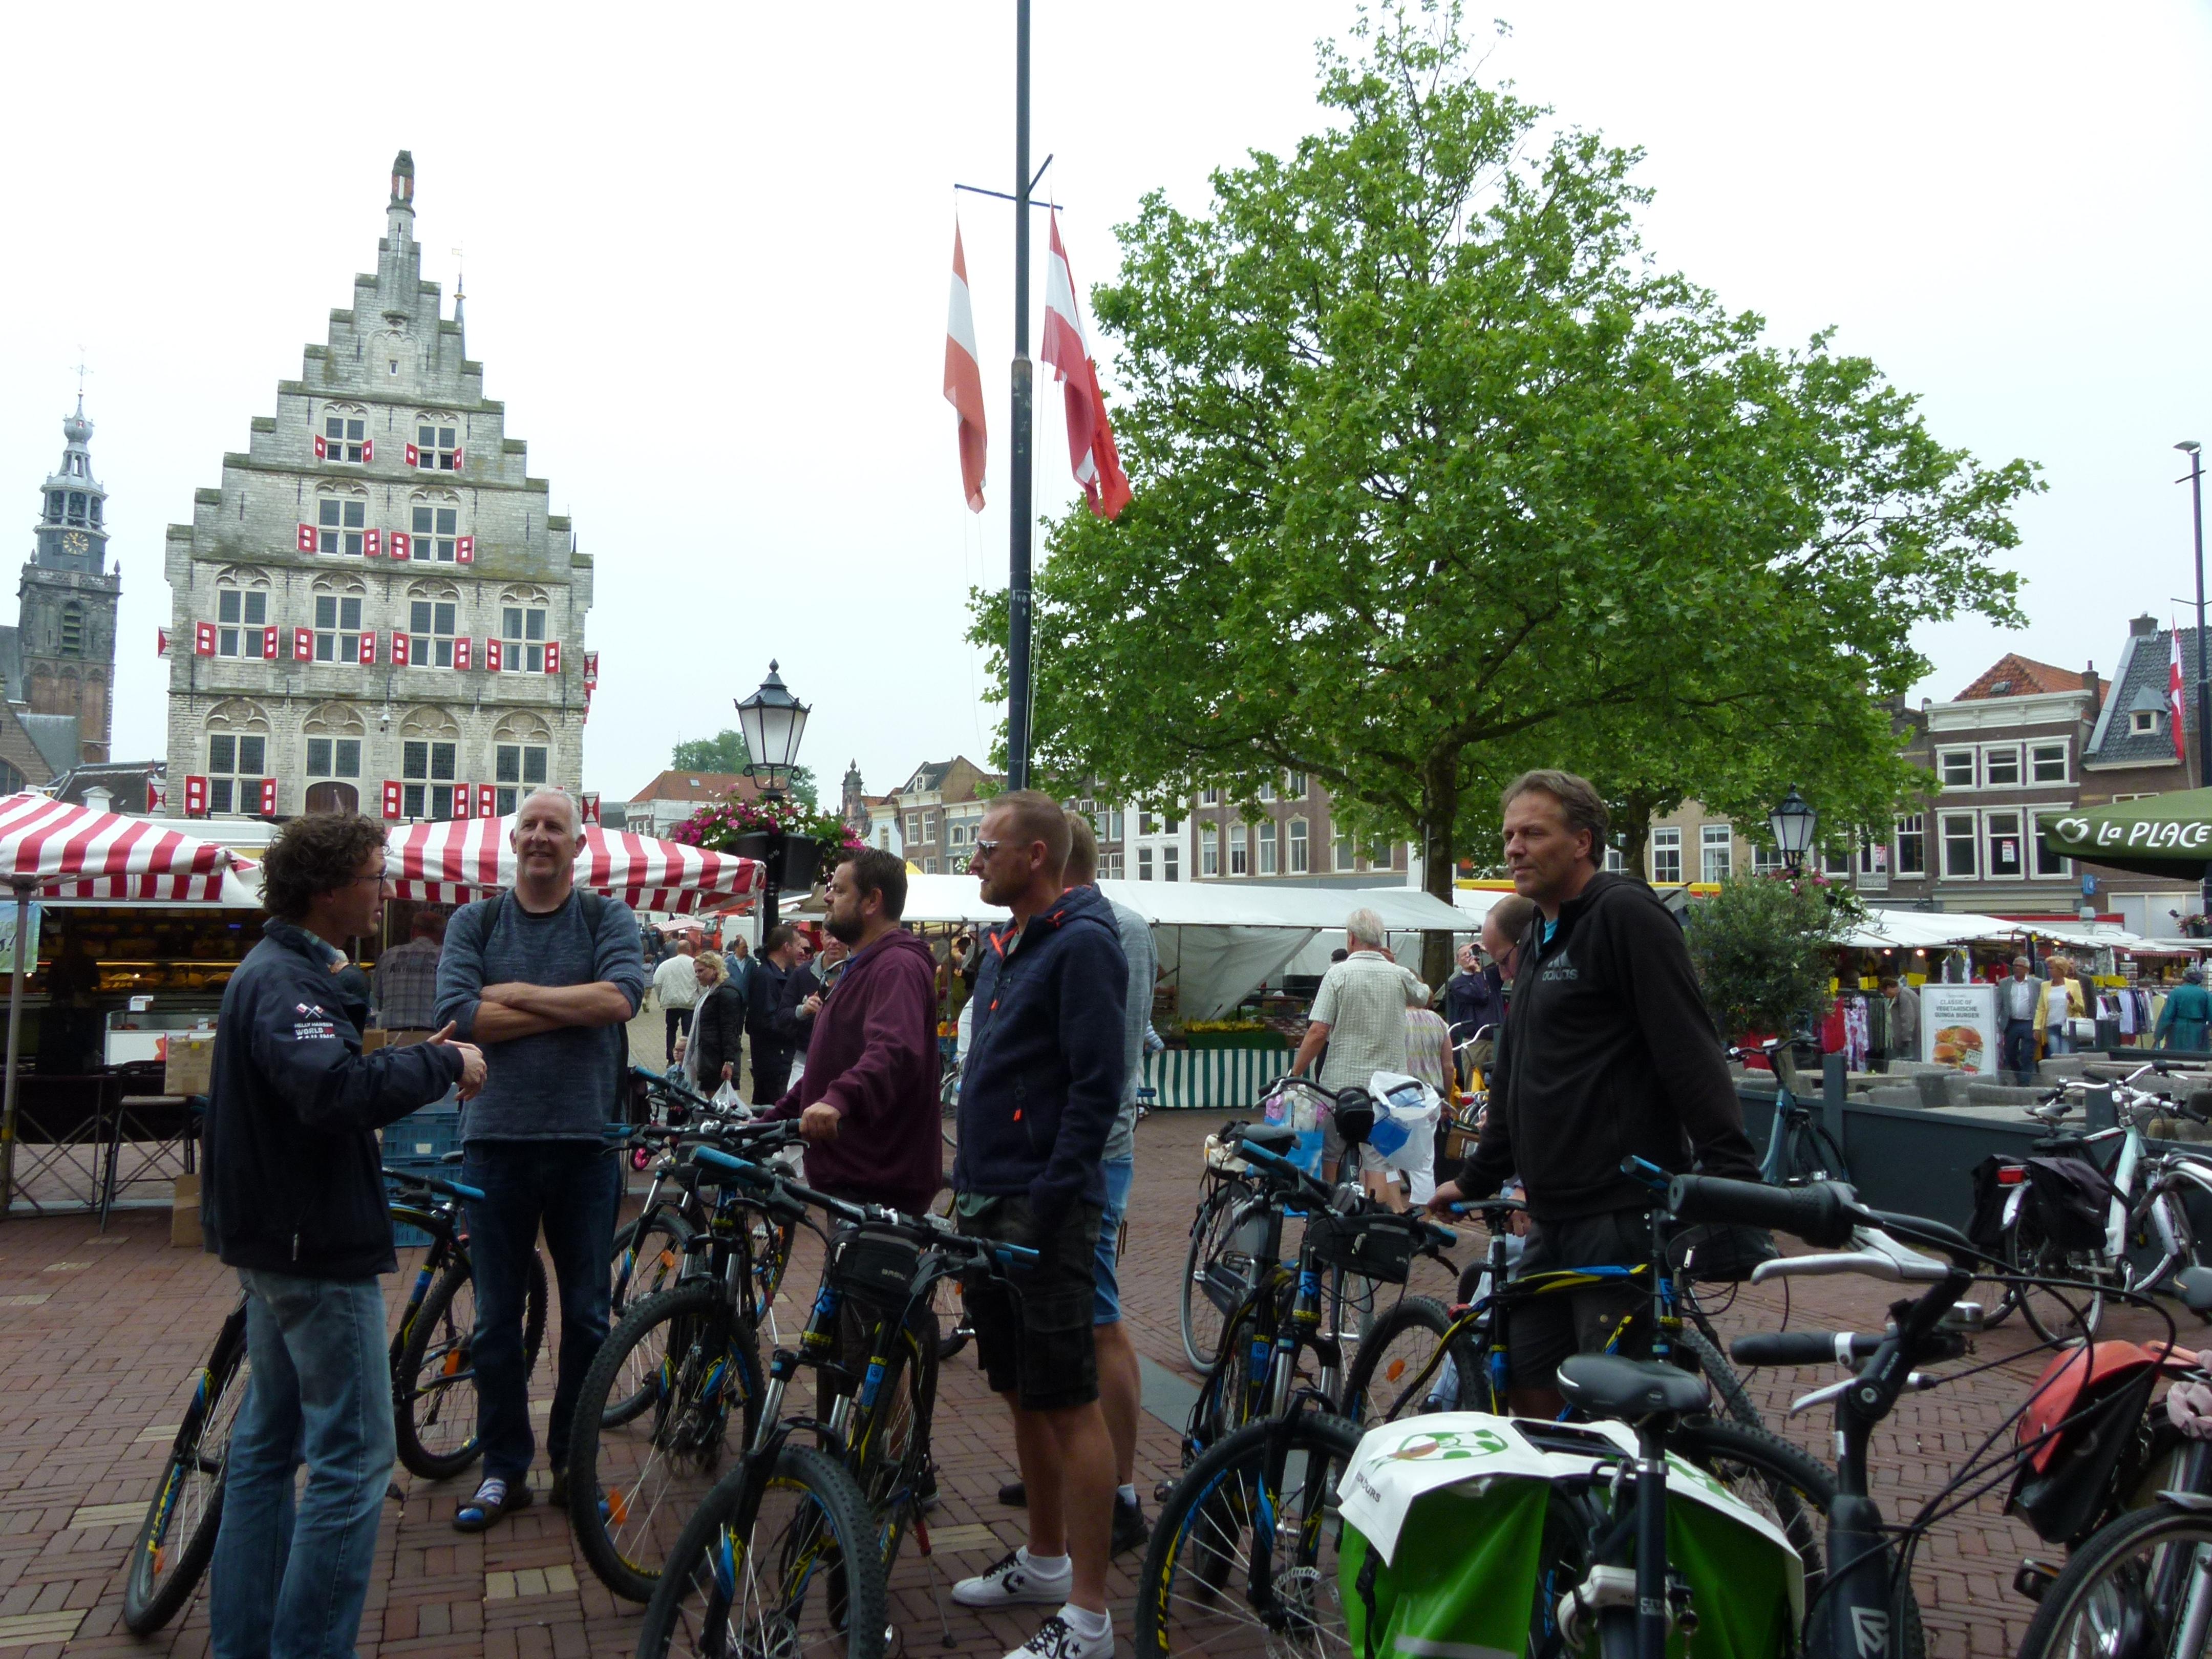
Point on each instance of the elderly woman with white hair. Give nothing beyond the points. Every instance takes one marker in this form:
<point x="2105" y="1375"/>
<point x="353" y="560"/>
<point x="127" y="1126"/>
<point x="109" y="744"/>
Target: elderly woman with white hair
<point x="1359" y="1017"/>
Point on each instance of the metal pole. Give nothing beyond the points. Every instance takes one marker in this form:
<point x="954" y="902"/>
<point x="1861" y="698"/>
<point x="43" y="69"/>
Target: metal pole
<point x="1018" y="494"/>
<point x="770" y="888"/>
<point x="2203" y="687"/>
<point x="14" y="1039"/>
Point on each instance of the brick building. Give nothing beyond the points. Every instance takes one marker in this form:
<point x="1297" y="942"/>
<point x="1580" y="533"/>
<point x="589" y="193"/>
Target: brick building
<point x="376" y="608"/>
<point x="673" y="796"/>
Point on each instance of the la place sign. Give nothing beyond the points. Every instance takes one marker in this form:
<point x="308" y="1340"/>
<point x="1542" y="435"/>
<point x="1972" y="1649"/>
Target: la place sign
<point x="2143" y="833"/>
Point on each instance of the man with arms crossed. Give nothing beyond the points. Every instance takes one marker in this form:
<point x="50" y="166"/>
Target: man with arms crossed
<point x="1037" y="1099"/>
<point x="295" y="1203"/>
<point x="1608" y="1052"/>
<point x="546" y="978"/>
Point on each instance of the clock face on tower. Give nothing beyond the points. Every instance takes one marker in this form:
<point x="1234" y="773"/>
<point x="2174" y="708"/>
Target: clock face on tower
<point x="76" y="544"/>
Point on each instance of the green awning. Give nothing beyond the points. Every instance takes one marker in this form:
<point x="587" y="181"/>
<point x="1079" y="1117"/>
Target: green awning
<point x="2158" y="836"/>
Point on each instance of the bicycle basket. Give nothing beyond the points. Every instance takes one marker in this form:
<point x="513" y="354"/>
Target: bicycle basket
<point x="1378" y="1245"/>
<point x="2071" y="1200"/>
<point x="876" y="1264"/>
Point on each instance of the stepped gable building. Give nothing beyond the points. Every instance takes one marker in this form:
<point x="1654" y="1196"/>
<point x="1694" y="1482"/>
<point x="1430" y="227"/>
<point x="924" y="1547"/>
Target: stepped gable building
<point x="376" y="609"/>
<point x="58" y="663"/>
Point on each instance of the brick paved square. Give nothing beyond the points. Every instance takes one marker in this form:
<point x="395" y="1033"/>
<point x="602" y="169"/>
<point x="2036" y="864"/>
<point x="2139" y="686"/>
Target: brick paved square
<point x="94" y="1372"/>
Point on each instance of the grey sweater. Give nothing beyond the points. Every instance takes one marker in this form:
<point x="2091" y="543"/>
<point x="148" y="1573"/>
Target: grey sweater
<point x="557" y="1085"/>
<point x="1144" y="972"/>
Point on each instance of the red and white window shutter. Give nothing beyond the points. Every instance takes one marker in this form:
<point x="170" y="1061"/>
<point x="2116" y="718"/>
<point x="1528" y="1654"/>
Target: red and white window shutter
<point x="494" y="653"/>
<point x="552" y="656"/>
<point x="160" y="641"/>
<point x="461" y="652"/>
<point x="269" y="797"/>
<point x="320" y="453"/>
<point x="391" y="797"/>
<point x="196" y="793"/>
<point x="590" y="670"/>
<point x="399" y="644"/>
<point x="305" y="542"/>
<point x="269" y="644"/>
<point x="303" y="645"/>
<point x="465" y="551"/>
<point x="203" y="639"/>
<point x="487" y="801"/>
<point x="368" y="450"/>
<point x="460" y="458"/>
<point x="414" y="456"/>
<point x="368" y="649"/>
<point x="403" y="544"/>
<point x="463" y="801"/>
<point x="372" y="545"/>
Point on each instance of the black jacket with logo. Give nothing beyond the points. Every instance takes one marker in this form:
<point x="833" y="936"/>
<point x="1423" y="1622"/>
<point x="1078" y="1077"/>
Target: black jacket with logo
<point x="293" y="1182"/>
<point x="1608" y="1052"/>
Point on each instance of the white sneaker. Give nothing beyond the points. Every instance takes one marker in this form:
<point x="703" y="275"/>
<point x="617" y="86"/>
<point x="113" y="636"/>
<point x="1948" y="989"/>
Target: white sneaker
<point x="1011" y="1581"/>
<point x="1057" y="1639"/>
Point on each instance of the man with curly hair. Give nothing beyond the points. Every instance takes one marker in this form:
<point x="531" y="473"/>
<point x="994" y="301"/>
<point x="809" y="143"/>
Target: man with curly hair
<point x="295" y="1203"/>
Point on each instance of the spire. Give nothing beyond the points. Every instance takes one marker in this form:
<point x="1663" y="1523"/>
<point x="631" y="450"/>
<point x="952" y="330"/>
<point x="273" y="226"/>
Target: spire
<point x="460" y="291"/>
<point x="72" y="519"/>
<point x="399" y="264"/>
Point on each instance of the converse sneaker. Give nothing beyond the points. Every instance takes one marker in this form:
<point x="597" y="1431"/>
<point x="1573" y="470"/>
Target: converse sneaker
<point x="1011" y="1581"/>
<point x="1056" y="1639"/>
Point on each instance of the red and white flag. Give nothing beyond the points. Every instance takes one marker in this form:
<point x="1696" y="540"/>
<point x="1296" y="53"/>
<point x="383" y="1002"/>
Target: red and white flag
<point x="963" y="378"/>
<point x="2173" y="690"/>
<point x="160" y="641"/>
<point x="1090" y="436"/>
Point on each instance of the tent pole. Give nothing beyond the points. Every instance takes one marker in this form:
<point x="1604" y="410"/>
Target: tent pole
<point x="15" y="1037"/>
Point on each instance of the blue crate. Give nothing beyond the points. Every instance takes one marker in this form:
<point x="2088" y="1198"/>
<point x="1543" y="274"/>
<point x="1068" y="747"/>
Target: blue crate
<point x="403" y="1237"/>
<point x="429" y="1134"/>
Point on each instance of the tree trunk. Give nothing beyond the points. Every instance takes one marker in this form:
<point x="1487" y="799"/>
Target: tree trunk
<point x="1439" y="866"/>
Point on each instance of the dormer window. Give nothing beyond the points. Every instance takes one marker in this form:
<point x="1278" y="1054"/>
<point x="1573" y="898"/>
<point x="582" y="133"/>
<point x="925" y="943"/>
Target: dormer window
<point x="2142" y="721"/>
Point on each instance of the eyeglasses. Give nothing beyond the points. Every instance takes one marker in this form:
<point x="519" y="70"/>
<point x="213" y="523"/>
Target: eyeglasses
<point x="381" y="877"/>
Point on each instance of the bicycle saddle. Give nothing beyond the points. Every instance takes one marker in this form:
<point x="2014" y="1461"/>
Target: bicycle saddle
<point x="1607" y="1385"/>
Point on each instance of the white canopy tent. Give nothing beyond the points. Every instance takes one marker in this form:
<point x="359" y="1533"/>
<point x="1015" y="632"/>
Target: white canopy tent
<point x="1217" y="940"/>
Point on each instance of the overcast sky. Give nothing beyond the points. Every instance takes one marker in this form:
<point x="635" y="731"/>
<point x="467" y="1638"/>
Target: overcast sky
<point x="707" y="257"/>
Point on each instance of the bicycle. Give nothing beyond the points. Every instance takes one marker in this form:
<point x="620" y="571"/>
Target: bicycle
<point x="1798" y="1148"/>
<point x="176" y="1540"/>
<point x="2144" y="1209"/>
<point x="653" y="1415"/>
<point x="856" y="1491"/>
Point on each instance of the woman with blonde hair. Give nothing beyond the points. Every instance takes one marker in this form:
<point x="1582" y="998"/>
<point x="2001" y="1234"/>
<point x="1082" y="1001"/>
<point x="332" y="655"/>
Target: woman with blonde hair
<point x="2063" y="1002"/>
<point x="717" y="1026"/>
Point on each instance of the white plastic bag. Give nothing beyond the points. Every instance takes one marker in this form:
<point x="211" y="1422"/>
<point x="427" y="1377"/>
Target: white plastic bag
<point x="727" y="1102"/>
<point x="1407" y="1112"/>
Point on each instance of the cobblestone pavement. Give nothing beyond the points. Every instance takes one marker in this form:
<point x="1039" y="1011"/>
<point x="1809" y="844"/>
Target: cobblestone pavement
<point x="100" y="1335"/>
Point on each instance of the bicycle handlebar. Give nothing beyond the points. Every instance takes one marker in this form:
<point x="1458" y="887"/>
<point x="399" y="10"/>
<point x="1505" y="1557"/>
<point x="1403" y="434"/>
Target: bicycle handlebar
<point x="1819" y="1214"/>
<point x="431" y="1183"/>
<point x="928" y="1229"/>
<point x="1802" y="1347"/>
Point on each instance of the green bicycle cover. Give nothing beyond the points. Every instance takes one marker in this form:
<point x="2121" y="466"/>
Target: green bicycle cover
<point x="1464" y="1580"/>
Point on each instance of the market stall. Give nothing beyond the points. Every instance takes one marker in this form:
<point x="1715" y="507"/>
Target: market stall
<point x="453" y="862"/>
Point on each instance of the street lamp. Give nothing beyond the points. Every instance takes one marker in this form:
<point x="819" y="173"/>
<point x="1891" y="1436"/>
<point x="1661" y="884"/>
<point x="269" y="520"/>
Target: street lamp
<point x="2192" y="448"/>
<point x="773" y="721"/>
<point x="1793" y="824"/>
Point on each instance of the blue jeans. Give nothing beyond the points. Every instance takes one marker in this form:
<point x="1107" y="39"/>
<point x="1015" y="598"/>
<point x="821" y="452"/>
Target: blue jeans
<point x="287" y="1585"/>
<point x="2019" y="1051"/>
<point x="1121" y="1173"/>
<point x="572" y="1189"/>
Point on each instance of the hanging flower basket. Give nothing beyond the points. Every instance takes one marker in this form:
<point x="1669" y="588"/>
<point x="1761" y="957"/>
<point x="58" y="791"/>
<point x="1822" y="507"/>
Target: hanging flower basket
<point x="812" y="841"/>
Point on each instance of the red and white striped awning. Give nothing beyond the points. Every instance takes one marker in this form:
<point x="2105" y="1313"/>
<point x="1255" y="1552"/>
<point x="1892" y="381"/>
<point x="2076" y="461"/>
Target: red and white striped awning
<point x="468" y="858"/>
<point x="75" y="852"/>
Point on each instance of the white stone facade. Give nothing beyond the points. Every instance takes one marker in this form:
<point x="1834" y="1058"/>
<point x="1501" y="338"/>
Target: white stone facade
<point x="305" y="548"/>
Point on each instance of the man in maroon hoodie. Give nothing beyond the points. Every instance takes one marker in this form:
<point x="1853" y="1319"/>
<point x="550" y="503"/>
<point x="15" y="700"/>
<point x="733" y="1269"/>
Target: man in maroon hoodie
<point x="867" y="1101"/>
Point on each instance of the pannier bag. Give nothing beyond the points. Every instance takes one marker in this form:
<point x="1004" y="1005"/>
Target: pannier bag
<point x="1444" y="1541"/>
<point x="2071" y="1200"/>
<point x="876" y="1264"/>
<point x="1376" y="1246"/>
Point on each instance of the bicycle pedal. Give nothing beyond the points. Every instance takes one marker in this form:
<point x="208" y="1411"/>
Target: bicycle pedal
<point x="1162" y="1491"/>
<point x="2034" y="1578"/>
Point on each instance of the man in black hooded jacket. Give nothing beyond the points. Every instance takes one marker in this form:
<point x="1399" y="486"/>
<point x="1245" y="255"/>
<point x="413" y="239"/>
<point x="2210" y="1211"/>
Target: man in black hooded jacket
<point x="295" y="1203"/>
<point x="1608" y="1053"/>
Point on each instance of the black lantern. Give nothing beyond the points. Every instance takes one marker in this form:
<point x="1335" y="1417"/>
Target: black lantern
<point x="1793" y="825"/>
<point x="773" y="721"/>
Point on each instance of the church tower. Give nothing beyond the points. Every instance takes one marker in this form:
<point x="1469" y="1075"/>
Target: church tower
<point x="65" y="627"/>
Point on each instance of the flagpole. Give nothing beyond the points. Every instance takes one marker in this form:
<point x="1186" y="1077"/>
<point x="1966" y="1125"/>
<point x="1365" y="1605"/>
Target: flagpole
<point x="1017" y="500"/>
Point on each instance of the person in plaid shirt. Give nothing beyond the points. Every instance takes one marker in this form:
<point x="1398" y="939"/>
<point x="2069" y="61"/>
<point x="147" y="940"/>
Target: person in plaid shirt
<point x="407" y="976"/>
<point x="1359" y="1015"/>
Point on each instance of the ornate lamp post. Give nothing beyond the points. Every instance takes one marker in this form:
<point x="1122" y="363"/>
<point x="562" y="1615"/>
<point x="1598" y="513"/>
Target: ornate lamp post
<point x="773" y="721"/>
<point x="1794" y="823"/>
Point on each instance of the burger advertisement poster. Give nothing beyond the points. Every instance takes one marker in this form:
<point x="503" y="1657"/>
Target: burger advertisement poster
<point x="1959" y="1026"/>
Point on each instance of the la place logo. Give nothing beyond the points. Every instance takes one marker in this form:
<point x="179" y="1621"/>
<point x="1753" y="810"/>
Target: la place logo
<point x="2072" y="828"/>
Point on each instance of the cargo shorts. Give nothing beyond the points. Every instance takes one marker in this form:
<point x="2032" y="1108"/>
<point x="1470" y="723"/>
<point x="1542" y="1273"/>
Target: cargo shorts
<point x="1033" y="1335"/>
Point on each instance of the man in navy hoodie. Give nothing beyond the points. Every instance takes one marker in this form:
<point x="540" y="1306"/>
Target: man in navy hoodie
<point x="1038" y="1095"/>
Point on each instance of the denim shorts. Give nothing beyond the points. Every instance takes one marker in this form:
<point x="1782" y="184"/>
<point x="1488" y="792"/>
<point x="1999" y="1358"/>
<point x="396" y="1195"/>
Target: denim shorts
<point x="1106" y="1288"/>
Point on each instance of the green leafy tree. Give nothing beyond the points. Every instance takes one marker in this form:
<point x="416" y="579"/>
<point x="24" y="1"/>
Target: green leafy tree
<point x="1762" y="949"/>
<point x="725" y="751"/>
<point x="1437" y="476"/>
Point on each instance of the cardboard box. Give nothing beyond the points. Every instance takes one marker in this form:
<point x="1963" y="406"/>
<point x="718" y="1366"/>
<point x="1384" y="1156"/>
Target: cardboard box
<point x="188" y="1066"/>
<point x="184" y="1214"/>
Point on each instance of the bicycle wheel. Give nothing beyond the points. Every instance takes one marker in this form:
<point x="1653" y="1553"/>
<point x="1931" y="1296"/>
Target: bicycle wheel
<point x="1268" y="1491"/>
<point x="1790" y="1488"/>
<point x="1727" y="1382"/>
<point x="801" y="1578"/>
<point x="1203" y="1311"/>
<point x="648" y="1257"/>
<point x="632" y="1485"/>
<point x="1400" y="1371"/>
<point x="2136" y="1587"/>
<point x="888" y="1458"/>
<point x="434" y="1383"/>
<point x="2066" y="1314"/>
<point x="177" y="1539"/>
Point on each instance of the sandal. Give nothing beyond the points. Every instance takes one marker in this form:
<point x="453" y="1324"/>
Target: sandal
<point x="494" y="1498"/>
